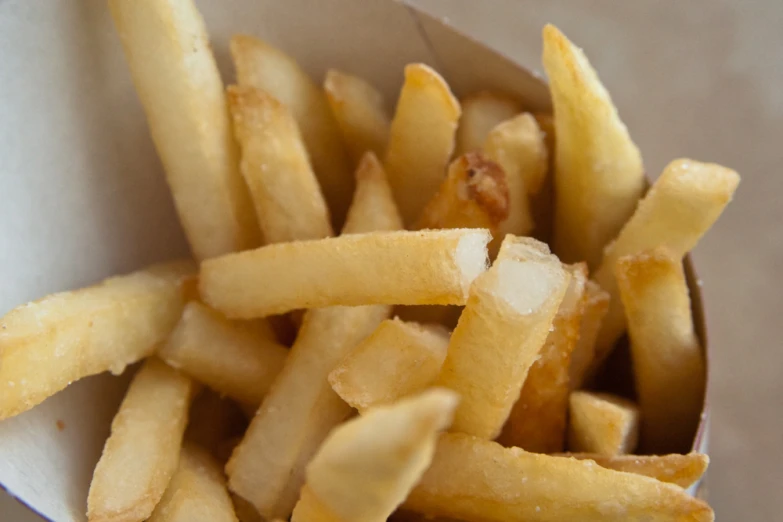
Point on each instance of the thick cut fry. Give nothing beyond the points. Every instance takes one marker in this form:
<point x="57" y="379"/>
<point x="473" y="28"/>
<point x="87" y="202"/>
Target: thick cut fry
<point x="599" y="175"/>
<point x="141" y="454"/>
<point x="421" y="139"/>
<point x="397" y="360"/>
<point x="360" y="112"/>
<point x="537" y="421"/>
<point x="213" y="420"/>
<point x="373" y="207"/>
<point x="474" y="479"/>
<point x="677" y="211"/>
<point x="668" y="364"/>
<point x="427" y="267"/>
<point x="500" y="333"/>
<point x="260" y="65"/>
<point x="167" y="49"/>
<point x="602" y="423"/>
<point x="197" y="491"/>
<point x="367" y="466"/>
<point x="481" y="112"/>
<point x="682" y="470"/>
<point x="287" y="198"/>
<point x="230" y="358"/>
<point x="596" y="305"/>
<point x="50" y="343"/>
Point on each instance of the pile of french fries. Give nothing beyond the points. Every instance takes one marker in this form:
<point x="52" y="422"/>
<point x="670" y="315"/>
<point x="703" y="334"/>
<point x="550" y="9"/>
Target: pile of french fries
<point x="482" y="403"/>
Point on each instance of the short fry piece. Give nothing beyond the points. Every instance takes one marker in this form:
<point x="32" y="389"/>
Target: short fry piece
<point x="288" y="200"/>
<point x="682" y="470"/>
<point x="602" y="423"/>
<point x="360" y="112"/>
<point x="373" y="207"/>
<point x="595" y="307"/>
<point x="260" y="65"/>
<point x="500" y="333"/>
<point x="197" y="491"/>
<point x="367" y="466"/>
<point x="474" y="479"/>
<point x="668" y="363"/>
<point x="599" y="175"/>
<point x="397" y="360"/>
<point x="421" y="139"/>
<point x="481" y="112"/>
<point x="167" y="48"/>
<point x="48" y="344"/>
<point x="427" y="267"/>
<point x="141" y="454"/>
<point x="230" y="358"/>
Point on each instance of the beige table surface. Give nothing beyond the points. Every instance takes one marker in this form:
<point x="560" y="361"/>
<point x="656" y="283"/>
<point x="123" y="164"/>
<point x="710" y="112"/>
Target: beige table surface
<point x="699" y="78"/>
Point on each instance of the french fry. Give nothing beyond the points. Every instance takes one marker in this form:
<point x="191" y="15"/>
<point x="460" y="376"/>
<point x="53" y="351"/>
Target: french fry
<point x="213" y="420"/>
<point x="682" y="470"/>
<point x="360" y="112"/>
<point x="595" y="307"/>
<point x="367" y="466"/>
<point x="50" y="343"/>
<point x="602" y="423"/>
<point x="421" y="139"/>
<point x="285" y="191"/>
<point x="426" y="267"/>
<point x="500" y="332"/>
<point x="260" y="65"/>
<point x="141" y="454"/>
<point x="397" y="360"/>
<point x="230" y="358"/>
<point x="668" y="364"/>
<point x="373" y="206"/>
<point x="537" y="421"/>
<point x="177" y="80"/>
<point x="677" y="211"/>
<point x="474" y="479"/>
<point x="599" y="176"/>
<point x="481" y="112"/>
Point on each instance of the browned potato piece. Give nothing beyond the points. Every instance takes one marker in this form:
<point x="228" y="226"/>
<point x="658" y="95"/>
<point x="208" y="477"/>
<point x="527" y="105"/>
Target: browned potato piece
<point x="481" y="112"/>
<point x="595" y="307"/>
<point x="682" y="470"/>
<point x="602" y="423"/>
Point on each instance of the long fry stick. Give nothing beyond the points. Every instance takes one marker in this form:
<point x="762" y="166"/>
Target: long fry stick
<point x="682" y="470"/>
<point x="595" y="307"/>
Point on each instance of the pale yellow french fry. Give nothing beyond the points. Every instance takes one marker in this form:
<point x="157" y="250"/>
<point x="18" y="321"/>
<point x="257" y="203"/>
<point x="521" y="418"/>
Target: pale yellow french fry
<point x="50" y="343"/>
<point x="260" y="65"/>
<point x="167" y="48"/>
<point x="360" y="112"/>
<point x="599" y="175"/>
<point x="285" y="191"/>
<point x="668" y="364"/>
<point x="426" y="267"/>
<point x="373" y="207"/>
<point x="213" y="420"/>
<point x="500" y="332"/>
<point x="677" y="211"/>
<point x="481" y="112"/>
<point x="367" y="466"/>
<point x="230" y="358"/>
<point x="682" y="470"/>
<point x="197" y="491"/>
<point x="596" y="305"/>
<point x="475" y="479"/>
<point x="421" y="139"/>
<point x="602" y="423"/>
<point x="141" y="454"/>
<point x="537" y="421"/>
<point x="397" y="360"/>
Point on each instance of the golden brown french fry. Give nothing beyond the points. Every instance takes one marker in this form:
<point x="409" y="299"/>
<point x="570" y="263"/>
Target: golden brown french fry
<point x="397" y="360"/>
<point x="425" y="267"/>
<point x="50" y="343"/>
<point x="500" y="332"/>
<point x="360" y="112"/>
<point x="142" y="451"/>
<point x="421" y="139"/>
<point x="677" y="211"/>
<point x="537" y="421"/>
<point x="213" y="420"/>
<point x="682" y="470"/>
<point x="260" y="65"/>
<point x="474" y="479"/>
<point x="668" y="364"/>
<point x="602" y="423"/>
<point x="367" y="466"/>
<point x="595" y="307"/>
<point x="599" y="175"/>
<point x="167" y="48"/>
<point x="481" y="112"/>
<point x="287" y="198"/>
<point x="373" y="207"/>
<point x="230" y="358"/>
